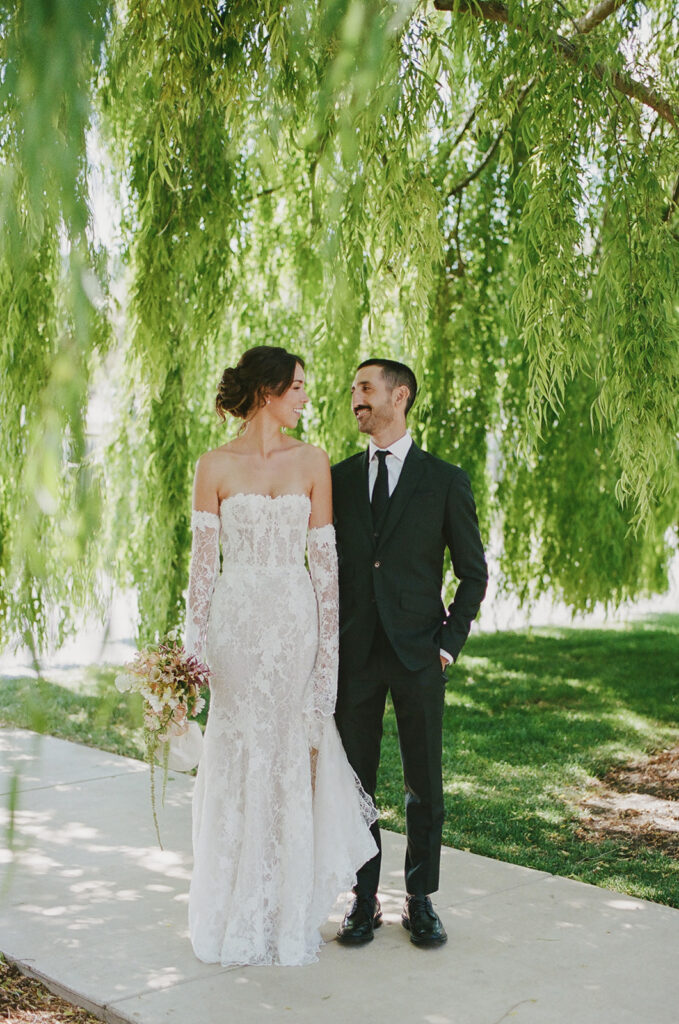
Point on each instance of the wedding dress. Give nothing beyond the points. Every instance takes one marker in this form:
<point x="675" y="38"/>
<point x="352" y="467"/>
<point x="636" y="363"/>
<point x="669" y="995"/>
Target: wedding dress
<point x="277" y="835"/>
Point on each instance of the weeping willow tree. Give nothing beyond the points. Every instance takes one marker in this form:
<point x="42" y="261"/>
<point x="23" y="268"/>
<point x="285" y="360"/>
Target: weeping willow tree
<point x="486" y="190"/>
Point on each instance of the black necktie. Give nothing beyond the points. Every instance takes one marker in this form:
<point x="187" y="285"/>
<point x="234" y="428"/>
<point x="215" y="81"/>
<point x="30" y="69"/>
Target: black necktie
<point x="381" y="489"/>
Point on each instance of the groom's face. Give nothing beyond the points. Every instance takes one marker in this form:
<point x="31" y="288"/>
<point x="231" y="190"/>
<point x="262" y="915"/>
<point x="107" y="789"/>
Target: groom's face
<point x="372" y="401"/>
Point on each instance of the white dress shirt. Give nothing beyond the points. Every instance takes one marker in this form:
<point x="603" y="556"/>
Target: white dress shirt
<point x="394" y="462"/>
<point x="397" y="453"/>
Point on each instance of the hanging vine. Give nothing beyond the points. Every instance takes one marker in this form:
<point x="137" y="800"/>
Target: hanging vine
<point x="488" y="191"/>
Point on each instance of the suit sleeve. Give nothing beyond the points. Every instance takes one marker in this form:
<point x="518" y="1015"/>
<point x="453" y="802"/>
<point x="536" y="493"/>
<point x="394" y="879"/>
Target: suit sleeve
<point x="469" y="563"/>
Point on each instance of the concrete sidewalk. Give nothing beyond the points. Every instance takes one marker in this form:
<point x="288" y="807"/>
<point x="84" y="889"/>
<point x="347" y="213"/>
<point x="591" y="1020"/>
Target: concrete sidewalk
<point x="90" y="903"/>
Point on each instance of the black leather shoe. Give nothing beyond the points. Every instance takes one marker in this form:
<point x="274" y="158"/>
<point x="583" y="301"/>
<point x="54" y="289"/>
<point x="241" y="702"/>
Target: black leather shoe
<point x="422" y="921"/>
<point x="360" y="921"/>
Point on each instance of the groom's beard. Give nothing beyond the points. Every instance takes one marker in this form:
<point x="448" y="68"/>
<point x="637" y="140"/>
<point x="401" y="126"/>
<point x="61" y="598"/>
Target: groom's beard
<point x="373" y="419"/>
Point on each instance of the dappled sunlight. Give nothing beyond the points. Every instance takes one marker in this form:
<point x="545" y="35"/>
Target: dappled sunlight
<point x="551" y="815"/>
<point x="36" y="826"/>
<point x="36" y="862"/>
<point x="633" y="721"/>
<point x="622" y="904"/>
<point x="99" y="891"/>
<point x="76" y="885"/>
<point x="44" y="830"/>
<point x="391" y="894"/>
<point x="465" y="700"/>
<point x="167" y="863"/>
<point x="15" y="759"/>
<point x="84" y="860"/>
<point x="460" y="787"/>
<point x="165" y="978"/>
<point x="18" y="759"/>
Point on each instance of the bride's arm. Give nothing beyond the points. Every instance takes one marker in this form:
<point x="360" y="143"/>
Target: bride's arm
<point x="322" y="556"/>
<point x="204" y="559"/>
<point x="321" y="490"/>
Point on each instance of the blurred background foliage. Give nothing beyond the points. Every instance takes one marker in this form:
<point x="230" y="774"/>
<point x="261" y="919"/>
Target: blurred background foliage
<point x="487" y="190"/>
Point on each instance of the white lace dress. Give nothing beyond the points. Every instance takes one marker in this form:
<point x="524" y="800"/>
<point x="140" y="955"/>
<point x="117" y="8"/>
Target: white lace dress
<point x="275" y="838"/>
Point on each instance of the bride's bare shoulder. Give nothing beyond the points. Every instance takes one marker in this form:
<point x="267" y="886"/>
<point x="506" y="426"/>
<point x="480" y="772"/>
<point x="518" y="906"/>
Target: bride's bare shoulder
<point x="216" y="454"/>
<point x="312" y="454"/>
<point x="214" y="459"/>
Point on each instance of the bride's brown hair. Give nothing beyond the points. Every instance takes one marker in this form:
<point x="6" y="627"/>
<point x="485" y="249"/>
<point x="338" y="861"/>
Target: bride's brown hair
<point x="262" y="370"/>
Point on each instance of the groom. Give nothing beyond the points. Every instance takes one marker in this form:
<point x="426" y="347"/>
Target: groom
<point x="397" y="509"/>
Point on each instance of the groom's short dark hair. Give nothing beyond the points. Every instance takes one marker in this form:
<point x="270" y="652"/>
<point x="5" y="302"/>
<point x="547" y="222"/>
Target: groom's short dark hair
<point x="396" y="374"/>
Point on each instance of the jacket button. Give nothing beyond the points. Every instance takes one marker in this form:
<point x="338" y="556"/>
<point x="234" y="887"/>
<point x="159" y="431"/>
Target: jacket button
<point x="377" y="565"/>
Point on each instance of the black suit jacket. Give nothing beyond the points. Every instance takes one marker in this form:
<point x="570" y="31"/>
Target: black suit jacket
<point x="396" y="569"/>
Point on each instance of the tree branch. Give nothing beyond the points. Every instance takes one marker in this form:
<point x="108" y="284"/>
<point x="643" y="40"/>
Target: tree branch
<point x="465" y="127"/>
<point x="264" y="192"/>
<point x="467" y="180"/>
<point x="491" y="10"/>
<point x="477" y="170"/>
<point x="596" y="15"/>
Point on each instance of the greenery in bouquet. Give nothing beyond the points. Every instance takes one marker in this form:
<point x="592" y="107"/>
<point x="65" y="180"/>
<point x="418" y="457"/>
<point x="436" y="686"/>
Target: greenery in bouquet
<point x="170" y="682"/>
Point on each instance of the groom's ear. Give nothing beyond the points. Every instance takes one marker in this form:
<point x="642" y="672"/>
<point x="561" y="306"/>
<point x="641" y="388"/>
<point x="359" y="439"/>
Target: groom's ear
<point x="402" y="395"/>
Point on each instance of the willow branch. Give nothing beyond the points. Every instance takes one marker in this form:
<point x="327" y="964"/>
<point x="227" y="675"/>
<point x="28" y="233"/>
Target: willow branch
<point x="467" y="180"/>
<point x="465" y="127"/>
<point x="263" y="192"/>
<point x="461" y="185"/>
<point x="674" y="202"/>
<point x="472" y="117"/>
<point x="491" y="10"/>
<point x="596" y="15"/>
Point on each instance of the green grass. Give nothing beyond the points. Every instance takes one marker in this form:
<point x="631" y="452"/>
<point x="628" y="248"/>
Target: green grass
<point x="86" y="708"/>
<point x="531" y="717"/>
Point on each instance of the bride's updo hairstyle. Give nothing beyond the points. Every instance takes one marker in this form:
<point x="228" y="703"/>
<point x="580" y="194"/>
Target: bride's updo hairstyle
<point x="261" y="371"/>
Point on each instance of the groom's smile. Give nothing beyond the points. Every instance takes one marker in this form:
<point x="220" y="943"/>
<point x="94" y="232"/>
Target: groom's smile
<point x="364" y="418"/>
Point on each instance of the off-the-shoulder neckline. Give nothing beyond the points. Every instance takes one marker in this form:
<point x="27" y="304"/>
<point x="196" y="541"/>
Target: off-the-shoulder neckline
<point x="266" y="497"/>
<point x="250" y="494"/>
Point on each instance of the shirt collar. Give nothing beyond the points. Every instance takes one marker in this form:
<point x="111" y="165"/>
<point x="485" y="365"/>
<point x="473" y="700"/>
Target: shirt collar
<point x="399" y="448"/>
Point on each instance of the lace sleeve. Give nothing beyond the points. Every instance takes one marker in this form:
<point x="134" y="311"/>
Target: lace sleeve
<point x="202" y="577"/>
<point x="323" y="568"/>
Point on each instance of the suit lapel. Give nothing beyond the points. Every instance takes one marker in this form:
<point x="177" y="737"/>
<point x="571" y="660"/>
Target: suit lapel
<point x="413" y="468"/>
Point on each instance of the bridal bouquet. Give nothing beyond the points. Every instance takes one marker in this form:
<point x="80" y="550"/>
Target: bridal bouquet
<point x="170" y="682"/>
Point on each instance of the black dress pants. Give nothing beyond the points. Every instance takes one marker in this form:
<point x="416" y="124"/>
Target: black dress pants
<point x="418" y="699"/>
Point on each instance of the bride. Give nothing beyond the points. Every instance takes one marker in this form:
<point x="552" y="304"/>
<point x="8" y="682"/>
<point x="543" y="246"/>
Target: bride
<point x="280" y="823"/>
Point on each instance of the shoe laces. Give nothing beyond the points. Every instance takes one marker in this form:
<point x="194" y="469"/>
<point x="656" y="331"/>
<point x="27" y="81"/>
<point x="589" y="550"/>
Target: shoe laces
<point x="419" y="905"/>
